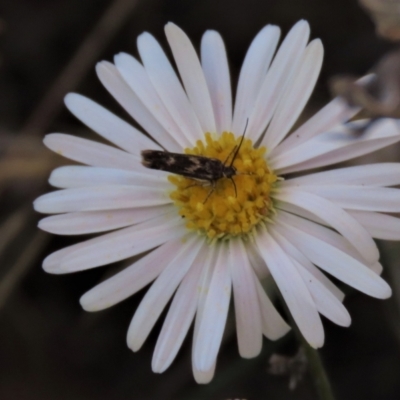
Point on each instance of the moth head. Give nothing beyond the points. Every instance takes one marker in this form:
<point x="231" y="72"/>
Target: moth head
<point x="229" y="171"/>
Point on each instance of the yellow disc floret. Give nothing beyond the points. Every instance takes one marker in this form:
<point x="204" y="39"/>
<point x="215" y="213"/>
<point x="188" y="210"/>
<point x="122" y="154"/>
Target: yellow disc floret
<point x="224" y="208"/>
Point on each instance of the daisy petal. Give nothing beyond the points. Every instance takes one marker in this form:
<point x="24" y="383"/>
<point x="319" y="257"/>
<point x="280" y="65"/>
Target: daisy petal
<point x="216" y="72"/>
<point x="301" y="212"/>
<point x="380" y="226"/>
<point x="105" y="197"/>
<point x="215" y="312"/>
<point x="85" y="222"/>
<point x="337" y="263"/>
<point x="180" y="316"/>
<point x="131" y="279"/>
<point x="299" y="257"/>
<point x="359" y="197"/>
<point x="333" y="147"/>
<point x="336" y="217"/>
<point x="107" y="124"/>
<point x="333" y="114"/>
<point x="305" y="224"/>
<point x="115" y="246"/>
<point x="256" y="261"/>
<point x="204" y="376"/>
<point x="296" y="95"/>
<point x="327" y="304"/>
<point x="382" y="174"/>
<point x="277" y="78"/>
<point x="327" y="297"/>
<point x="114" y="83"/>
<point x="247" y="309"/>
<point x="90" y="153"/>
<point x="136" y="77"/>
<point x="192" y="76"/>
<point x="169" y="88"/>
<point x="327" y="235"/>
<point x="292" y="288"/>
<point x="160" y="292"/>
<point x="80" y="176"/>
<point x="252" y="74"/>
<point x="273" y="325"/>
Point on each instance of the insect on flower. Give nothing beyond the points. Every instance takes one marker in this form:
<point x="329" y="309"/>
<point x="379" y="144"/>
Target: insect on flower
<point x="199" y="168"/>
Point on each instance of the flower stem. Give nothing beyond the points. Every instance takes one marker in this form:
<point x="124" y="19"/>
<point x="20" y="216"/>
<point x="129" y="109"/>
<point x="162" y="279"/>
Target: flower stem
<point x="316" y="367"/>
<point x="317" y="370"/>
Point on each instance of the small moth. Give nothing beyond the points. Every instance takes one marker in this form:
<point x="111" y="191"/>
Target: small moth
<point x="199" y="168"/>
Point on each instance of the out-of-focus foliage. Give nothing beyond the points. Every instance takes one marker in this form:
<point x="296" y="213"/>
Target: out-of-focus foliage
<point x="380" y="95"/>
<point x="386" y="15"/>
<point x="294" y="367"/>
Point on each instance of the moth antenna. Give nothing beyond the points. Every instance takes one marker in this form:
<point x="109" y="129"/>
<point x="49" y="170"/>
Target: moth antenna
<point x="237" y="148"/>
<point x="234" y="185"/>
<point x="210" y="192"/>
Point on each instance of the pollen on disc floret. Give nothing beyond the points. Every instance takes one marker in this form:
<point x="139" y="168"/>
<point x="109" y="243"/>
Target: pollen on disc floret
<point x="219" y="210"/>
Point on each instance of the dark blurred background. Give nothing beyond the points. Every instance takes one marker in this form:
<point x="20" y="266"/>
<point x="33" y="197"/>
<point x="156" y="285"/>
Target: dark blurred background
<point x="49" y="347"/>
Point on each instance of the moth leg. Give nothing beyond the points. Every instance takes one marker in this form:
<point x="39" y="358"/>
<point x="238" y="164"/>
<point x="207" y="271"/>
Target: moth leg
<point x="198" y="183"/>
<point x="210" y="192"/>
<point x="234" y="185"/>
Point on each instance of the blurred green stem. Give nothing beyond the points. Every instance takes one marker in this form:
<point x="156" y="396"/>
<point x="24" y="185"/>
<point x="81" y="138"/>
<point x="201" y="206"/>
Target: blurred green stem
<point x="317" y="370"/>
<point x="315" y="366"/>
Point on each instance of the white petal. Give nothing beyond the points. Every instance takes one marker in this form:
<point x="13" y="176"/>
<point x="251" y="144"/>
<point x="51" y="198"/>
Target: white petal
<point x="327" y="235"/>
<point x="252" y="73"/>
<point x="81" y="176"/>
<point x="339" y="264"/>
<point x="209" y="264"/>
<point x="131" y="279"/>
<point x="336" y="217"/>
<point x="292" y="288"/>
<point x="273" y="325"/>
<point x="115" y="246"/>
<point x="247" y="309"/>
<point x="256" y="261"/>
<point x="296" y="95"/>
<point x="327" y="304"/>
<point x="85" y="222"/>
<point x="327" y="297"/>
<point x="168" y="87"/>
<point x="333" y="147"/>
<point x="360" y="197"/>
<point x="180" y="316"/>
<point x="212" y="324"/>
<point x="90" y="153"/>
<point x="296" y="255"/>
<point x="204" y="377"/>
<point x="216" y="71"/>
<point x="192" y="76"/>
<point x="382" y="174"/>
<point x="380" y="226"/>
<point x="108" y="125"/>
<point x="160" y="292"/>
<point x="277" y="78"/>
<point x="333" y="114"/>
<point x="105" y="197"/>
<point x="377" y="268"/>
<point x="301" y="212"/>
<point x="136" y="77"/>
<point x="114" y="83"/>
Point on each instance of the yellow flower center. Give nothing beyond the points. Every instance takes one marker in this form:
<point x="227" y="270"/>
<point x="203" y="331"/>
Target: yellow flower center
<point x="226" y="207"/>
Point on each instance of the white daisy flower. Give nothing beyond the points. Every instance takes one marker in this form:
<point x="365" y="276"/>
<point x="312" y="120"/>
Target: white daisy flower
<point x="202" y="242"/>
